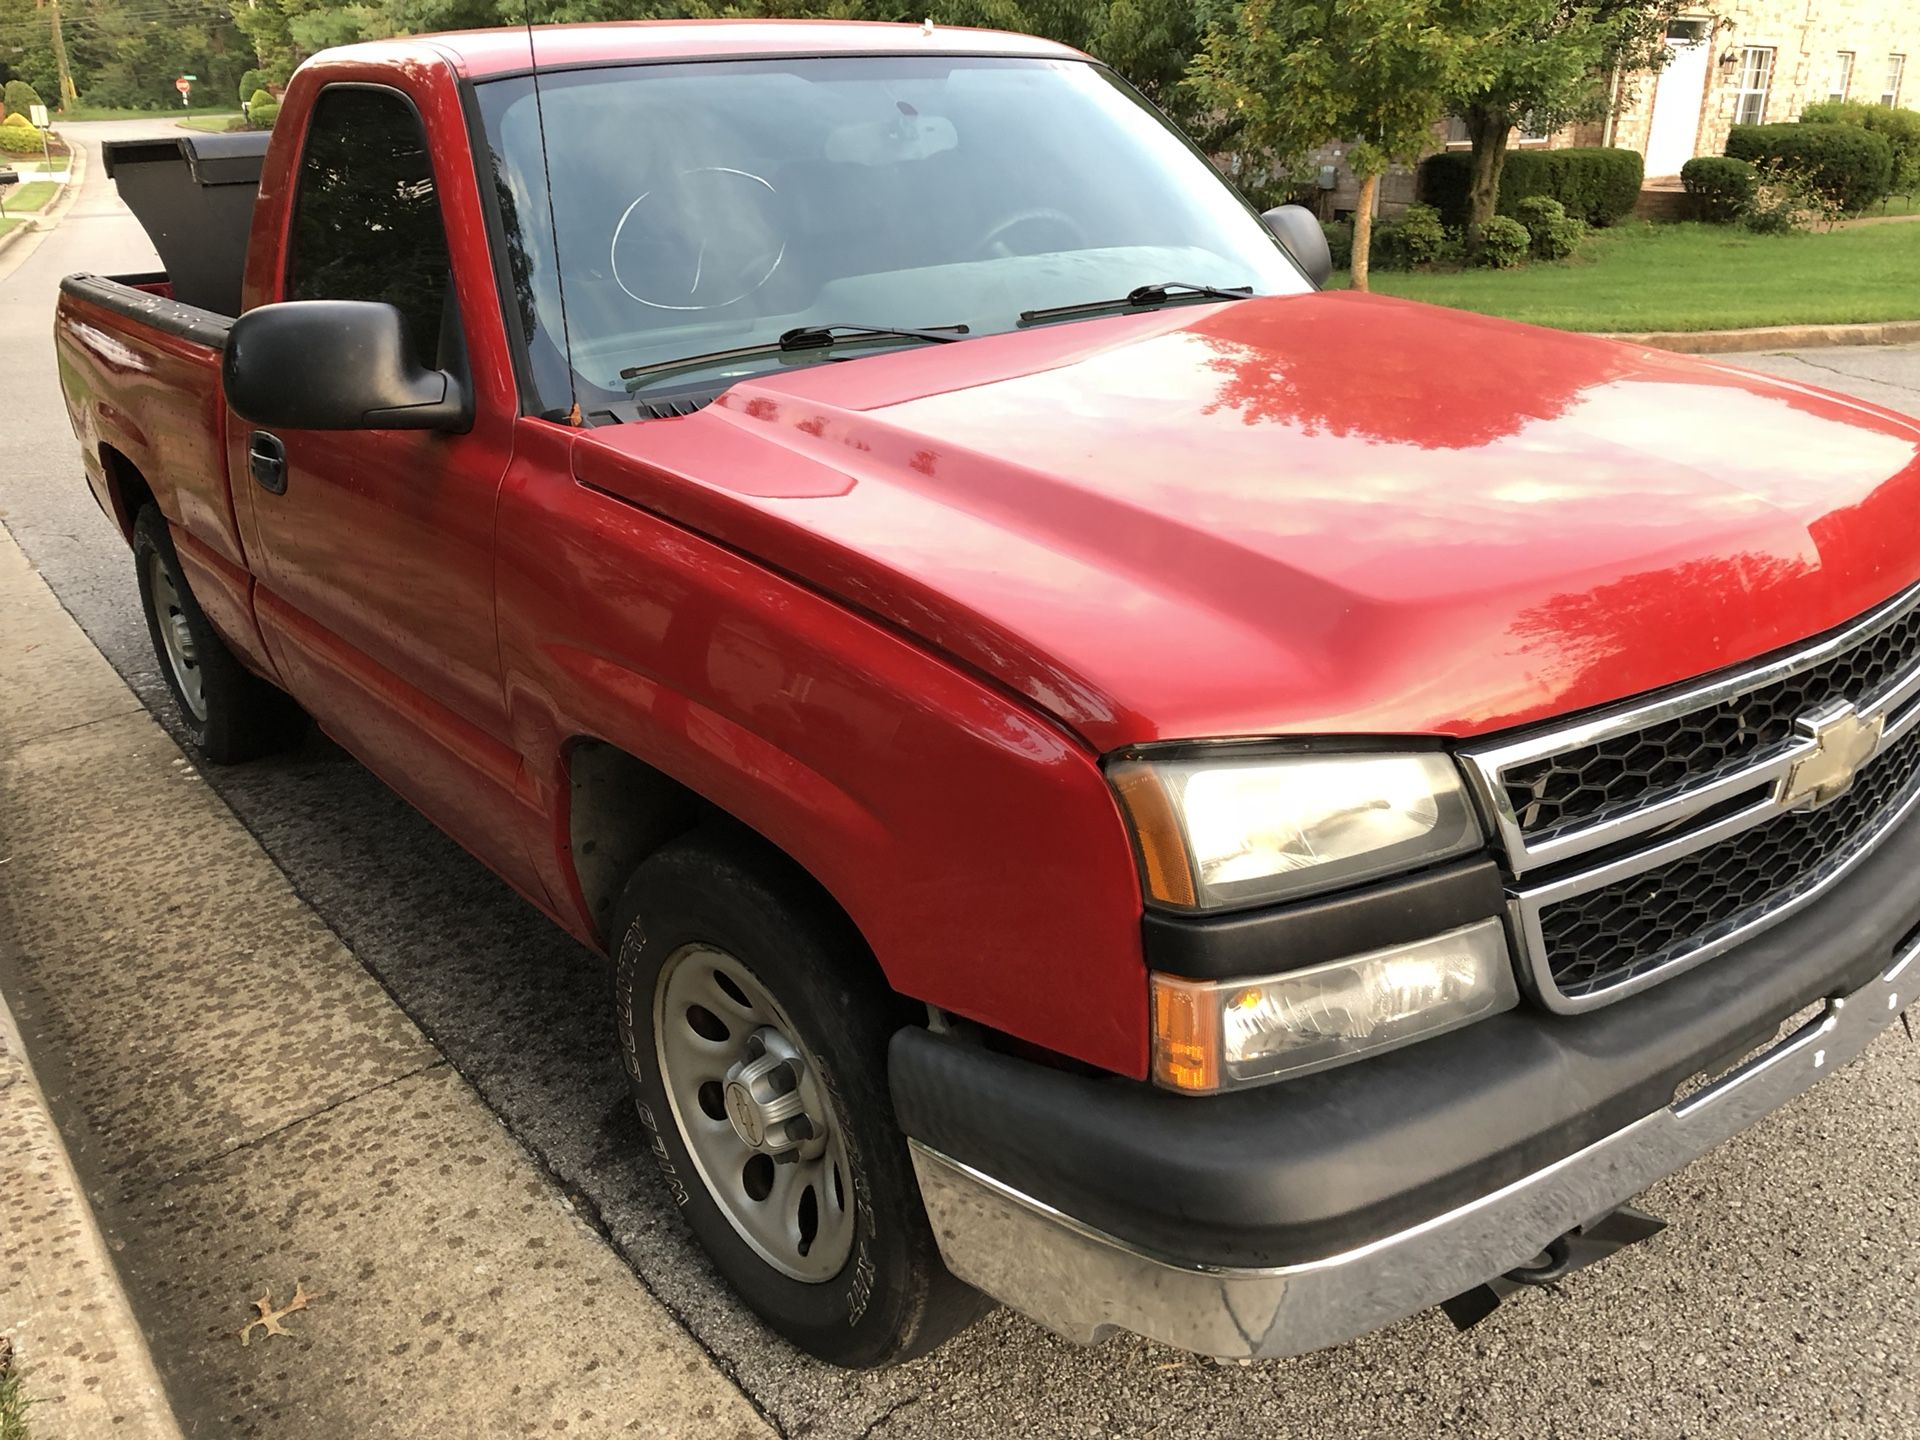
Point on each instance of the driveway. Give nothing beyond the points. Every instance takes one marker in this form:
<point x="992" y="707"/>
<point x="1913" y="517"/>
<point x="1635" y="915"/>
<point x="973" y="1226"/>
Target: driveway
<point x="1782" y="1300"/>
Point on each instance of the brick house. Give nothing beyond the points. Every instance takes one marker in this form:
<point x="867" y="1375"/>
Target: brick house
<point x="1744" y="61"/>
<point x="1764" y="60"/>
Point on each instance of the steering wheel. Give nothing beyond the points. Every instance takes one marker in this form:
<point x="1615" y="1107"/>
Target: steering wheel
<point x="994" y="241"/>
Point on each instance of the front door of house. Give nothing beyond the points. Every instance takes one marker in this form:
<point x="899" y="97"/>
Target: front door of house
<point x="1677" y="100"/>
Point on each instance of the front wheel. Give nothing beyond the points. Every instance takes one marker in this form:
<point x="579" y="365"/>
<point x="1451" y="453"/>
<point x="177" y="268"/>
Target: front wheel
<point x="754" y="1031"/>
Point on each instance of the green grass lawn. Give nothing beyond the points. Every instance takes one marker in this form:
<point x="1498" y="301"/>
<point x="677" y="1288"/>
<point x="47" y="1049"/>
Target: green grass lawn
<point x="218" y="124"/>
<point x="34" y="195"/>
<point x="9" y="223"/>
<point x="1641" y="276"/>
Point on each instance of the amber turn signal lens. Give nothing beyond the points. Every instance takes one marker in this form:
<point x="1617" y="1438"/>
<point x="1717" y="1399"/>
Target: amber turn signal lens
<point x="1163" y="845"/>
<point x="1186" y="1038"/>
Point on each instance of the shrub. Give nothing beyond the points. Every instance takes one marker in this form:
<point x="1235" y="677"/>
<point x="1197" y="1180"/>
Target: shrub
<point x="1851" y="164"/>
<point x="1504" y="243"/>
<point x="1416" y="238"/>
<point x="1339" y="242"/>
<point x="262" y="111"/>
<point x="20" y="139"/>
<point x="1899" y="127"/>
<point x="253" y="82"/>
<point x="16" y="118"/>
<point x="1721" y="186"/>
<point x="20" y="98"/>
<point x="1785" y="199"/>
<point x="1555" y="234"/>
<point x="1599" y="186"/>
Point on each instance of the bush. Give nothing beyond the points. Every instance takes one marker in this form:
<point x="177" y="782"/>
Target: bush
<point x="1721" y="186"/>
<point x="1899" y="127"/>
<point x="253" y="82"/>
<point x="1504" y="243"/>
<point x="16" y="118"/>
<point x="1786" y="199"/>
<point x="262" y="111"/>
<point x="1599" y="186"/>
<point x="20" y="98"/>
<point x="1555" y="234"/>
<point x="1852" y="165"/>
<point x="1339" y="242"/>
<point x="1416" y="238"/>
<point x="19" y="139"/>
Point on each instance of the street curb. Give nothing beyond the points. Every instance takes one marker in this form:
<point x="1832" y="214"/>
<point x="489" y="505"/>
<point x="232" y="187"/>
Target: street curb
<point x="81" y="1377"/>
<point x="1774" y="337"/>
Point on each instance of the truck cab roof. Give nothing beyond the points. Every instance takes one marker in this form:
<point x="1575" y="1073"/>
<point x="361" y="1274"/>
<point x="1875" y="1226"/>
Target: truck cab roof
<point x="486" y="54"/>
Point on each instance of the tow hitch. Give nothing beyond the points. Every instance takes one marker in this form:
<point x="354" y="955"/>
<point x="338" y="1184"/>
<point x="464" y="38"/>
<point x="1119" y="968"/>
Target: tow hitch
<point x="1575" y="1250"/>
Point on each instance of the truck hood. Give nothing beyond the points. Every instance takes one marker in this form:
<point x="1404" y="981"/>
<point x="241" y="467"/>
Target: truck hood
<point x="1322" y="514"/>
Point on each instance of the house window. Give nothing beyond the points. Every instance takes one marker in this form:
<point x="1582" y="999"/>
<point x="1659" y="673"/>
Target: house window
<point x="1756" y="72"/>
<point x="1841" y="77"/>
<point x="1457" y="131"/>
<point x="1896" y="70"/>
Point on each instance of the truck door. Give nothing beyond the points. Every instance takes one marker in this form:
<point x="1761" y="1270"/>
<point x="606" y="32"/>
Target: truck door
<point x="376" y="591"/>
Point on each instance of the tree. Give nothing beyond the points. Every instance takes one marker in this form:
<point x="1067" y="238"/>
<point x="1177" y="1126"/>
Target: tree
<point x="1546" y="63"/>
<point x="1297" y="73"/>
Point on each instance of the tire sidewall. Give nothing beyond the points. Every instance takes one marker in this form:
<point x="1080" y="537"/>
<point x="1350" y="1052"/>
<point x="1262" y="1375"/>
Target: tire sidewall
<point x="857" y="1317"/>
<point x="150" y="538"/>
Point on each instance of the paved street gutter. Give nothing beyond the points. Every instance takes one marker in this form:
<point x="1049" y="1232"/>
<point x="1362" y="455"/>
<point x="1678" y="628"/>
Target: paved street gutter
<point x="1774" y="337"/>
<point x="255" y="1120"/>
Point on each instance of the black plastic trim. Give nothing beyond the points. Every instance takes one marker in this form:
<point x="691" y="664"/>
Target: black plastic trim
<point x="1291" y="937"/>
<point x="1313" y="1167"/>
<point x="169" y="317"/>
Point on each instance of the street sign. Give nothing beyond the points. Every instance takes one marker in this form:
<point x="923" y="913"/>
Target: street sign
<point x="37" y="114"/>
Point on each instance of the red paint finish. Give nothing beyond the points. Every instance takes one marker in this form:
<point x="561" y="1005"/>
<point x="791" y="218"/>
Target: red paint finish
<point x="890" y="613"/>
<point x="1322" y="514"/>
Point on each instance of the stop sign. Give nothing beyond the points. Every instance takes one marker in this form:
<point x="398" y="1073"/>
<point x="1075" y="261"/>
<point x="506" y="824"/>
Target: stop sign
<point x="183" y="85"/>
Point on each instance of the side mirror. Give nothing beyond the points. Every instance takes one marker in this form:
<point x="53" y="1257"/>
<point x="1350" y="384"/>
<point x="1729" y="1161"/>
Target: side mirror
<point x="336" y="365"/>
<point x="1298" y="231"/>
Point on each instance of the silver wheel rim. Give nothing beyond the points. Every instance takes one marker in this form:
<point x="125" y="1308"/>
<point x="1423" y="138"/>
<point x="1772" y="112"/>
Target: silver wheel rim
<point x="176" y="637"/>
<point x="747" y="1098"/>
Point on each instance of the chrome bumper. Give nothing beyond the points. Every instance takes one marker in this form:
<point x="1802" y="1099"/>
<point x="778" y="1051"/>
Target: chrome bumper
<point x="1084" y="1284"/>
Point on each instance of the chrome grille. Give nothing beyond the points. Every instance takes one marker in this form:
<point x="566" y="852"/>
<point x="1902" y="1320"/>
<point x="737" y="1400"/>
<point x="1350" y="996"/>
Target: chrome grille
<point x="1624" y="772"/>
<point x="1648" y="920"/>
<point x="1646" y="840"/>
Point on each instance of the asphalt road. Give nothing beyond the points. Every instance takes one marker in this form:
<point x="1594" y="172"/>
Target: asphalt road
<point x="1781" y="1301"/>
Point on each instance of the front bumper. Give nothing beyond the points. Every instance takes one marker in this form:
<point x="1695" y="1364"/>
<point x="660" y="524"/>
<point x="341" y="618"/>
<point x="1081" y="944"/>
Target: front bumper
<point x="1084" y="1284"/>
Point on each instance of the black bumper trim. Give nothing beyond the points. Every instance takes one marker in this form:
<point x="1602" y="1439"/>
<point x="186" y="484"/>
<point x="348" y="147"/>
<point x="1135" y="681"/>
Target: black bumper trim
<point x="1291" y="937"/>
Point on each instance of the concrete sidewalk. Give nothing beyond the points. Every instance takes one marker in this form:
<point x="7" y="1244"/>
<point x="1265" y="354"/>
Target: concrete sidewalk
<point x="250" y="1113"/>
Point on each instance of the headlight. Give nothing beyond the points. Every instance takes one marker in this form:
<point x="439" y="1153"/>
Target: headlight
<point x="1223" y="1034"/>
<point x="1219" y="832"/>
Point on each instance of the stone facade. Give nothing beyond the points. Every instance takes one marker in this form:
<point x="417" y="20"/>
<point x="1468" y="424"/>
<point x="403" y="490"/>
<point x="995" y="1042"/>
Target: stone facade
<point x="1766" y="60"/>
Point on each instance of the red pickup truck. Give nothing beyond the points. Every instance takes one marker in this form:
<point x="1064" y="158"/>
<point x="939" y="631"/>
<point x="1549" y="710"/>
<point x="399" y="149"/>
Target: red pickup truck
<point x="1109" y="777"/>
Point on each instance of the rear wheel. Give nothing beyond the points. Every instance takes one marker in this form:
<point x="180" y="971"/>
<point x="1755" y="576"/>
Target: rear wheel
<point x="229" y="713"/>
<point x="754" y="1030"/>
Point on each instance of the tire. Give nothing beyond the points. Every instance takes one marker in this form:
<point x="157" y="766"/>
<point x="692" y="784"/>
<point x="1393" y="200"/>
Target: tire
<point x="720" y="902"/>
<point x="229" y="713"/>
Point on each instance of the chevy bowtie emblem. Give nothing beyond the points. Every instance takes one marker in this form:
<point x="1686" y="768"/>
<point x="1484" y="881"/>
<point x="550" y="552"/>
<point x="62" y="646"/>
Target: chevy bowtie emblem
<point x="1844" y="741"/>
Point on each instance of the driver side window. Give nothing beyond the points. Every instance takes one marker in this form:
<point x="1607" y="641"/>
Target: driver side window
<point x="366" y="216"/>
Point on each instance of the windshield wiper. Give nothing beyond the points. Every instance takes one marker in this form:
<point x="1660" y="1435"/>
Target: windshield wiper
<point x="1141" y="297"/>
<point x="803" y="337"/>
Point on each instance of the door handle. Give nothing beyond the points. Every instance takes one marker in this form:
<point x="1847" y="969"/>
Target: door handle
<point x="267" y="459"/>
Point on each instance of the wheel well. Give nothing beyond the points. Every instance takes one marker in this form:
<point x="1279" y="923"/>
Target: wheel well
<point x="128" y="488"/>
<point x="621" y="810"/>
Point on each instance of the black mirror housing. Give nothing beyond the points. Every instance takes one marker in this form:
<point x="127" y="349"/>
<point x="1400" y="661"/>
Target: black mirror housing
<point x="336" y="365"/>
<point x="1298" y="231"/>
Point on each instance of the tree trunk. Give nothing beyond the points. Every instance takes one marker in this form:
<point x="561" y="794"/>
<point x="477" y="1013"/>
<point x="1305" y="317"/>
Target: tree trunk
<point x="1363" y="230"/>
<point x="1487" y="128"/>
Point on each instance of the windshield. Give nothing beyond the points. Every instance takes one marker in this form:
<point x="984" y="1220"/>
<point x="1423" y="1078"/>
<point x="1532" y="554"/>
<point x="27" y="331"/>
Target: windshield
<point x="714" y="206"/>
